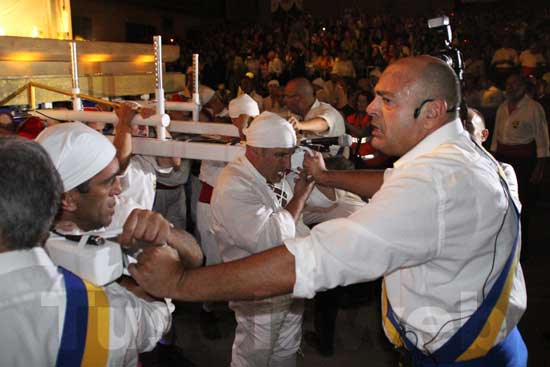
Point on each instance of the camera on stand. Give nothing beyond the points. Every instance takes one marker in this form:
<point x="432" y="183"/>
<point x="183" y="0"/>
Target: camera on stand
<point x="445" y="51"/>
<point x="451" y="55"/>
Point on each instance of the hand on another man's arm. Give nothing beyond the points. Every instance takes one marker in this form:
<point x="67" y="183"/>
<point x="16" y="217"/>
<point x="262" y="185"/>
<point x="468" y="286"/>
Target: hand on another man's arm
<point x="145" y="228"/>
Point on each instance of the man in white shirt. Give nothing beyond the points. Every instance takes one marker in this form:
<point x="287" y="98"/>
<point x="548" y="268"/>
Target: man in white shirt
<point x="241" y="111"/>
<point x="450" y="295"/>
<point x="521" y="140"/>
<point x="87" y="164"/>
<point x="253" y="209"/>
<point x="49" y="316"/>
<point x="319" y="119"/>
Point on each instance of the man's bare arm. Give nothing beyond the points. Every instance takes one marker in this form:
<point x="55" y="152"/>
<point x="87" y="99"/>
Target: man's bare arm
<point x="123" y="134"/>
<point x="364" y="183"/>
<point x="315" y="125"/>
<point x="187" y="247"/>
<point x="302" y="190"/>
<point x="266" y="274"/>
<point x="147" y="228"/>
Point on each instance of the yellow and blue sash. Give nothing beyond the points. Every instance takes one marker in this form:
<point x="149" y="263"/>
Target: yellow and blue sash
<point x="477" y="336"/>
<point x="85" y="338"/>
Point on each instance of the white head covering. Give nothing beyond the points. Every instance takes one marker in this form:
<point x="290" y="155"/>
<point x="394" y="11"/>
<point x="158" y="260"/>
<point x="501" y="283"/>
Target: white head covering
<point x="243" y="105"/>
<point x="206" y="94"/>
<point x="77" y="151"/>
<point x="274" y="82"/>
<point x="270" y="130"/>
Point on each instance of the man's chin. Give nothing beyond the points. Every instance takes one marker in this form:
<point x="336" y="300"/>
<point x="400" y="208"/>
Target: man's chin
<point x="376" y="143"/>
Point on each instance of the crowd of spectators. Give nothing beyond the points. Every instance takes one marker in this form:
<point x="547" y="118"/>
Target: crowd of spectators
<point x="345" y="54"/>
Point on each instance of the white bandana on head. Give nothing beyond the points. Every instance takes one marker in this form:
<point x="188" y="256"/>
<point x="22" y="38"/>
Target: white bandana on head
<point x="270" y="130"/>
<point x="77" y="151"/>
<point x="206" y="94"/>
<point x="243" y="105"/>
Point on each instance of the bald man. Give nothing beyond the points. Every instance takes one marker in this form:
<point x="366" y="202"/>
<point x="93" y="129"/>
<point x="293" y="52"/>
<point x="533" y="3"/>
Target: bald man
<point x="319" y="119"/>
<point x="451" y="295"/>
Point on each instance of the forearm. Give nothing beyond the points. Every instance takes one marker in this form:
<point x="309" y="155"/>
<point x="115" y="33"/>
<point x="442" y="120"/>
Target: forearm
<point x="266" y="274"/>
<point x="188" y="249"/>
<point x="364" y="183"/>
<point x="123" y="145"/>
<point x="296" y="206"/>
<point x="316" y="125"/>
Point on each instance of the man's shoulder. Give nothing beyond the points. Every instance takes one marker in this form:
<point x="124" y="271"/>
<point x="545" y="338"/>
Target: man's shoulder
<point x="233" y="176"/>
<point x="449" y="156"/>
<point x="319" y="105"/>
<point x="324" y="109"/>
<point x="531" y="103"/>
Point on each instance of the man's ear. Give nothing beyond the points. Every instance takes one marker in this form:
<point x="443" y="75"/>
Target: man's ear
<point x="69" y="201"/>
<point x="484" y="135"/>
<point x="433" y="113"/>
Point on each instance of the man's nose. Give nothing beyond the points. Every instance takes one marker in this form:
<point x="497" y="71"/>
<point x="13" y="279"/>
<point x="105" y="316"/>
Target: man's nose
<point x="117" y="187"/>
<point x="373" y="107"/>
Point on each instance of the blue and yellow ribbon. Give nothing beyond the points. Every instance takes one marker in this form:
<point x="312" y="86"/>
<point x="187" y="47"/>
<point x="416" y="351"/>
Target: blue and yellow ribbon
<point x="85" y="338"/>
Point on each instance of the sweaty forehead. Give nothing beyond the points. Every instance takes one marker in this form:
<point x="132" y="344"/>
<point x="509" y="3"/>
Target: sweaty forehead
<point x="396" y="82"/>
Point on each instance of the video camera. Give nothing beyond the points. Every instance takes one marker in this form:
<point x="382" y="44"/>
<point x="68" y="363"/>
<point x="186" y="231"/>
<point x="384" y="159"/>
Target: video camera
<point x="91" y="257"/>
<point x="446" y="52"/>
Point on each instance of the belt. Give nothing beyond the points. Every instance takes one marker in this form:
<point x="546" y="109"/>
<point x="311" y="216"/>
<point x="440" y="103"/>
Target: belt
<point x="518" y="150"/>
<point x="511" y="352"/>
<point x="161" y="186"/>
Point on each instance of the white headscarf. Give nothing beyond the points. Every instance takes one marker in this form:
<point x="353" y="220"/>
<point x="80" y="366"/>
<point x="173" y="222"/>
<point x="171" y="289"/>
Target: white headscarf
<point x="243" y="105"/>
<point x="270" y="130"/>
<point x="77" y="151"/>
<point x="206" y="94"/>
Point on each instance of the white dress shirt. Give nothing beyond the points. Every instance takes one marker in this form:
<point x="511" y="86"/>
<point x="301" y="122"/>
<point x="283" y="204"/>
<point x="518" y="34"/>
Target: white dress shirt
<point x="344" y="204"/>
<point x="139" y="181"/>
<point x="210" y="170"/>
<point x="247" y="217"/>
<point x="334" y="119"/>
<point x="525" y="124"/>
<point x="32" y="314"/>
<point x="430" y="231"/>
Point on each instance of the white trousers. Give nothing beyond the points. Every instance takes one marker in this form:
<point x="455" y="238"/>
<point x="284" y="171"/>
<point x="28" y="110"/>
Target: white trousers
<point x="268" y="332"/>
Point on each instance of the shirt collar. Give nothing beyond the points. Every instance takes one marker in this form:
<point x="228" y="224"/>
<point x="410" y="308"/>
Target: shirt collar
<point x="523" y="100"/>
<point x="449" y="131"/>
<point x="19" y="259"/>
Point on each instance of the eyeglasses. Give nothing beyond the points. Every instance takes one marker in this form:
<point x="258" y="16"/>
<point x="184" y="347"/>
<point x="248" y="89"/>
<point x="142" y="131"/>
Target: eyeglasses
<point x="419" y="108"/>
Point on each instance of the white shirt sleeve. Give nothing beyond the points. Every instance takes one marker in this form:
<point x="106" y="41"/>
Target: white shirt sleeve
<point x="334" y="119"/>
<point x="393" y="231"/>
<point x="136" y="325"/>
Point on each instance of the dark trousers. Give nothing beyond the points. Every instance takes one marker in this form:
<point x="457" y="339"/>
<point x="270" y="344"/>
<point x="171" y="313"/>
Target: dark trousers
<point x="528" y="192"/>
